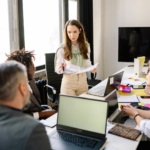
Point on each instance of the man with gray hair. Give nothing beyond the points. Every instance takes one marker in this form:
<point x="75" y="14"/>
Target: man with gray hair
<point x="18" y="131"/>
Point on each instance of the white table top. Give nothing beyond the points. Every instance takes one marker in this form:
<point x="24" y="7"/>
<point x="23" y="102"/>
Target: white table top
<point x="114" y="142"/>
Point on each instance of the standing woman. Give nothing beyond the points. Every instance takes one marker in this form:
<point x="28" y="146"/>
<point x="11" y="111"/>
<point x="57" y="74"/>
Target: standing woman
<point x="72" y="56"/>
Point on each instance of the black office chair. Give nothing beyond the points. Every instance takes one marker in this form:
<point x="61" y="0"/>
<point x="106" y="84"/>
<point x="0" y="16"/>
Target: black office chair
<point x="54" y="79"/>
<point x="41" y="83"/>
<point x="92" y="82"/>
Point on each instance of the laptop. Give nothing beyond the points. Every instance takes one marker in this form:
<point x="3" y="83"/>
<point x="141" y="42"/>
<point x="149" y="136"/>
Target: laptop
<point x="115" y="115"/>
<point x="81" y="124"/>
<point x="111" y="83"/>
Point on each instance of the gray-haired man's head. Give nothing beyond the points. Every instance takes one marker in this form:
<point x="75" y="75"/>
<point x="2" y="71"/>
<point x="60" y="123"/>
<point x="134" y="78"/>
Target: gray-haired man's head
<point x="11" y="74"/>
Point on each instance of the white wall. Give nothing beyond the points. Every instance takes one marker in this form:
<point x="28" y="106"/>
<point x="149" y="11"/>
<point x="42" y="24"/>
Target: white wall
<point x="108" y="16"/>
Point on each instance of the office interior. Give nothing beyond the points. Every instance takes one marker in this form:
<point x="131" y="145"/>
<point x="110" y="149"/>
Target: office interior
<point x="107" y="17"/>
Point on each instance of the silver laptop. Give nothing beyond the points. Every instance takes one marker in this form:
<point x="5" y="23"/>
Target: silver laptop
<point x="115" y="115"/>
<point x="81" y="124"/>
<point x="112" y="83"/>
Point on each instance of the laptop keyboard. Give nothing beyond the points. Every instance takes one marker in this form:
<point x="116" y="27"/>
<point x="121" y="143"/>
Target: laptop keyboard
<point x="76" y="139"/>
<point x="120" y="118"/>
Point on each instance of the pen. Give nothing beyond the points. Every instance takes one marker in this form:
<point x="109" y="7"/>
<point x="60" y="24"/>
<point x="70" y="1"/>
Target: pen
<point x="63" y="68"/>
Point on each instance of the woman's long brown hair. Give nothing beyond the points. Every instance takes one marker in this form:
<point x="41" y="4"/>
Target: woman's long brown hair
<point x="81" y="40"/>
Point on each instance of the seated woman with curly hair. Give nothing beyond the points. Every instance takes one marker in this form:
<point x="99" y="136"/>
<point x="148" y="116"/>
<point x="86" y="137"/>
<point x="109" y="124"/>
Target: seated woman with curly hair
<point x="27" y="57"/>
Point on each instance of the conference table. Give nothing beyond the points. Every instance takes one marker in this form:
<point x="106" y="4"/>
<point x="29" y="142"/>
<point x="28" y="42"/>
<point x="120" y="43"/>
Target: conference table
<point x="114" y="142"/>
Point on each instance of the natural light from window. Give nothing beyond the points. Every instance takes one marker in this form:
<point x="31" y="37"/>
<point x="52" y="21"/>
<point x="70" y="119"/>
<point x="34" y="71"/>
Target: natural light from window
<point x="72" y="9"/>
<point x="4" y="31"/>
<point x="41" y="27"/>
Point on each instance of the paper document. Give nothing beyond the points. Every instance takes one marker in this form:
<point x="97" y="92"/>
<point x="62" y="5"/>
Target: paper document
<point x="127" y="99"/>
<point x="87" y="69"/>
<point x="133" y="81"/>
<point x="51" y="121"/>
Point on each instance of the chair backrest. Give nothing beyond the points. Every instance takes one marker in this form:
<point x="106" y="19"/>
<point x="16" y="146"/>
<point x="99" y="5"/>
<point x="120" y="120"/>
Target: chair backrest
<point x="53" y="78"/>
<point x="41" y="87"/>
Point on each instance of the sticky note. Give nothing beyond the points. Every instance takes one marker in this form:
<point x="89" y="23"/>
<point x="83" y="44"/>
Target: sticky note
<point x="142" y="104"/>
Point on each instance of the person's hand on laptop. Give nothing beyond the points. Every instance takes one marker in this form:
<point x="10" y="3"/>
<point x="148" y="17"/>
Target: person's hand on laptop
<point x="129" y="110"/>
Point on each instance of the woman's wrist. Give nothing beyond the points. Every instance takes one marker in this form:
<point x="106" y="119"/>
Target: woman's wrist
<point x="136" y="116"/>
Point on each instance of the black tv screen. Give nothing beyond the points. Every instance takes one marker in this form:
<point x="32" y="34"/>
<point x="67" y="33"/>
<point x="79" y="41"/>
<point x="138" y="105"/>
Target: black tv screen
<point x="133" y="42"/>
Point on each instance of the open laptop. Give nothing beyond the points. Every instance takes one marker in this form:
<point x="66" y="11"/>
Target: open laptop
<point x="111" y="83"/>
<point x="81" y="124"/>
<point x="115" y="115"/>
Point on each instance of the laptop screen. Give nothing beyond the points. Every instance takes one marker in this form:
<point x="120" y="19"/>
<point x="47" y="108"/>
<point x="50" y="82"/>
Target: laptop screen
<point x="113" y="103"/>
<point x="114" y="82"/>
<point x="83" y="113"/>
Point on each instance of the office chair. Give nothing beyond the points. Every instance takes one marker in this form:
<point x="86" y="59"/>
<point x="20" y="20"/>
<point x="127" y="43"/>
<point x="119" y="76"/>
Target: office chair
<point x="54" y="79"/>
<point x="92" y="82"/>
<point x="41" y="87"/>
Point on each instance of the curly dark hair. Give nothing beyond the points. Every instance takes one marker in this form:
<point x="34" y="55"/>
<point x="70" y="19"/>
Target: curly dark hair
<point x="23" y="56"/>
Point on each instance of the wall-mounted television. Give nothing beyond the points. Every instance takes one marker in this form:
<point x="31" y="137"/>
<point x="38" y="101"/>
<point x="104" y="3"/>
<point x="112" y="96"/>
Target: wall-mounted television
<point x="133" y="42"/>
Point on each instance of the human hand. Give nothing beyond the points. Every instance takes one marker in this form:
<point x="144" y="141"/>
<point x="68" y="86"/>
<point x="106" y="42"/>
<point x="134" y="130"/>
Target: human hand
<point x="148" y="78"/>
<point x="94" y="70"/>
<point x="46" y="113"/>
<point x="147" y="90"/>
<point x="62" y="67"/>
<point x="129" y="110"/>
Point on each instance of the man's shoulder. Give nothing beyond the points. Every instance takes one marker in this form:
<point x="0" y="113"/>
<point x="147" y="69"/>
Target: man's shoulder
<point x="22" y="126"/>
<point x="15" y="115"/>
<point x="29" y="120"/>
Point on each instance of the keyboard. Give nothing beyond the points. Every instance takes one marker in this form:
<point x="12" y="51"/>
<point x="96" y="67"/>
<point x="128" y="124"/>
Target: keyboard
<point x="78" y="140"/>
<point x="120" y="118"/>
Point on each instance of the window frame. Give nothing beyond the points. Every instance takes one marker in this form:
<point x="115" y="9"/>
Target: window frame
<point x="62" y="15"/>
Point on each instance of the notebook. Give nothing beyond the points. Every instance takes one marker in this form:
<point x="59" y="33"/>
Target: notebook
<point x="112" y="82"/>
<point x="115" y="115"/>
<point x="81" y="124"/>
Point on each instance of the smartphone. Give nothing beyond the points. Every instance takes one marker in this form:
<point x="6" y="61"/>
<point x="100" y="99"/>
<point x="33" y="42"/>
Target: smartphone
<point x="145" y="97"/>
<point x="138" y="86"/>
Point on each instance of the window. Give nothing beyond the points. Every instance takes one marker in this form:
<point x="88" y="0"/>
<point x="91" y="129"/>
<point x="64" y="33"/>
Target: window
<point x="73" y="9"/>
<point x="42" y="22"/>
<point x="4" y="30"/>
<point x="8" y="28"/>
